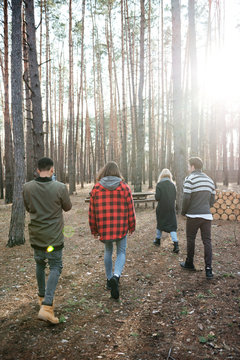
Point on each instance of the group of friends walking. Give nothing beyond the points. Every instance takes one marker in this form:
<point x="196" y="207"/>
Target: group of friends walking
<point x="111" y="219"/>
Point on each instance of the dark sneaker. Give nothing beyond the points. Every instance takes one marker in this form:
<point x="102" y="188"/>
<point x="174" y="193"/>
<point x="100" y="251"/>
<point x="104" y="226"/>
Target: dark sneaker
<point x="108" y="286"/>
<point x="157" y="242"/>
<point x="187" y="266"/>
<point x="209" y="274"/>
<point x="114" y="287"/>
<point x="175" y="247"/>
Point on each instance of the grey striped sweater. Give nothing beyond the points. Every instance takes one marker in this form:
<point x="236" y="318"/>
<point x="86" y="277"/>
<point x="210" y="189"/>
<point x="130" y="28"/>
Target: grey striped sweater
<point x="198" y="194"/>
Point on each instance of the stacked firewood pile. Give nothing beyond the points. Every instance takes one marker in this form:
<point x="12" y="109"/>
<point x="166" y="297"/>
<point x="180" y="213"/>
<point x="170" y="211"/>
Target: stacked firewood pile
<point x="227" y="206"/>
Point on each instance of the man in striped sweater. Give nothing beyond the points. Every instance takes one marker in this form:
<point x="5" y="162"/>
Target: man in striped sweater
<point x="198" y="197"/>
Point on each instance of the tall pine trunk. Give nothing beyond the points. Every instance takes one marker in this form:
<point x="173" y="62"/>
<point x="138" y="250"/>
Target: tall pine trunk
<point x="80" y="92"/>
<point x="8" y="146"/>
<point x="1" y="171"/>
<point x="178" y="128"/>
<point x="28" y="110"/>
<point x="194" y="82"/>
<point x="238" y="181"/>
<point x="132" y="95"/>
<point x="163" y="132"/>
<point x="16" y="231"/>
<point x="35" y="83"/>
<point x="150" y="120"/>
<point x="140" y="126"/>
<point x="124" y="110"/>
<point x="46" y="80"/>
<point x="71" y="104"/>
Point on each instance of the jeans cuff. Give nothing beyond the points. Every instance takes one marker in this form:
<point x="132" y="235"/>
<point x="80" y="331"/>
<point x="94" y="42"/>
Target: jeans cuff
<point x="45" y="303"/>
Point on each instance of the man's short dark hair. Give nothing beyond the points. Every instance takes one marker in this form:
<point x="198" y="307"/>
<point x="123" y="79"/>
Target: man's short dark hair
<point x="196" y="162"/>
<point x="45" y="164"/>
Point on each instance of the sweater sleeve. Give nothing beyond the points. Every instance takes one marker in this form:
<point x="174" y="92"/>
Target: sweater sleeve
<point x="131" y="211"/>
<point x="212" y="198"/>
<point x="91" y="215"/>
<point x="187" y="191"/>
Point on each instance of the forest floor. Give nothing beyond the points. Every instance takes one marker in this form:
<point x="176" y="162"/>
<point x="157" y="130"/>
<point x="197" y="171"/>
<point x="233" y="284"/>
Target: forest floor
<point x="164" y="312"/>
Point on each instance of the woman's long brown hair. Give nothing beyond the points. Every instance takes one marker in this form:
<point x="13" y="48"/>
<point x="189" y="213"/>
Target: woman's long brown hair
<point x="110" y="169"/>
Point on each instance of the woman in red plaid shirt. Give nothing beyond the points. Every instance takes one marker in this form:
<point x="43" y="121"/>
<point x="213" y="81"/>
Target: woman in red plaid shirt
<point x="111" y="217"/>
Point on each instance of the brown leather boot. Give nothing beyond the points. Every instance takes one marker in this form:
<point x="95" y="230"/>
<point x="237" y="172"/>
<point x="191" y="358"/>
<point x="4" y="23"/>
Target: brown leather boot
<point x="40" y="300"/>
<point x="46" y="314"/>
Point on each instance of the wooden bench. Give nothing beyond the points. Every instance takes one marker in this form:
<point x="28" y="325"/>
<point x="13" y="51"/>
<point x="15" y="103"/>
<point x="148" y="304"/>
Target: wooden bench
<point x="138" y="198"/>
<point x="144" y="197"/>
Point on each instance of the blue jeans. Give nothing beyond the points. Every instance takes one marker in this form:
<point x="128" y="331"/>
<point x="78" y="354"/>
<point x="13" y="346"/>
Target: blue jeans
<point x="120" y="260"/>
<point x="172" y="233"/>
<point x="54" y="260"/>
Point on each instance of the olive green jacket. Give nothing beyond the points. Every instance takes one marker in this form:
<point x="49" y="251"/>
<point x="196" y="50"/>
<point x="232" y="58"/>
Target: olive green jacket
<point x="45" y="199"/>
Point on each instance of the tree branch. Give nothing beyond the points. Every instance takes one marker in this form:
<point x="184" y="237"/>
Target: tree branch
<point x="45" y="62"/>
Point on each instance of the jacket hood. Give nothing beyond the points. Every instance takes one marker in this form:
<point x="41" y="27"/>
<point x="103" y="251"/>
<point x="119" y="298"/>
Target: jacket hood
<point x="110" y="182"/>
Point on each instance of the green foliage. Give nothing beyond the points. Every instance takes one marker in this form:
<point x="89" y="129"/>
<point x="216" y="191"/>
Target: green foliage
<point x="203" y="340"/>
<point x="184" y="311"/>
<point x="62" y="319"/>
<point x="211" y="337"/>
<point x="134" y="334"/>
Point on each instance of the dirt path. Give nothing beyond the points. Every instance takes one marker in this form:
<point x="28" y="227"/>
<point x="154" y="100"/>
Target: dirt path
<point x="161" y="307"/>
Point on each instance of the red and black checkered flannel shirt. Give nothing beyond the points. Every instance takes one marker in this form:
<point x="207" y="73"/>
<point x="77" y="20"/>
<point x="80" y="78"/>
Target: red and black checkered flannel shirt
<point x="111" y="212"/>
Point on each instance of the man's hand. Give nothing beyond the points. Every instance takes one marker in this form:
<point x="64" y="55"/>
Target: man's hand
<point x="96" y="236"/>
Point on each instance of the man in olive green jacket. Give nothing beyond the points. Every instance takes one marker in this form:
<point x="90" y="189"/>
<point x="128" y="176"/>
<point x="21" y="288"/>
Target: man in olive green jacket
<point x="45" y="199"/>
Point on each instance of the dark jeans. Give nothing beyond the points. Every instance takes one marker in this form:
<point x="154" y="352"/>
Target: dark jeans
<point x="192" y="226"/>
<point x="54" y="260"/>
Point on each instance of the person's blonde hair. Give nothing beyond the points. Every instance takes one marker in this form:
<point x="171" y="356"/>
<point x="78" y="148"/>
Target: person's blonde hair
<point x="165" y="173"/>
<point x="110" y="169"/>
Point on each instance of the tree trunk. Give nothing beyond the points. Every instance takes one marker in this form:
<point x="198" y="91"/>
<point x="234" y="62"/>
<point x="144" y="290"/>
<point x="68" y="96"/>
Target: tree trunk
<point x="178" y="128"/>
<point x="111" y="120"/>
<point x="16" y="231"/>
<point x="80" y="92"/>
<point x="238" y="181"/>
<point x="60" y="128"/>
<point x="1" y="171"/>
<point x="194" y="82"/>
<point x="46" y="80"/>
<point x="8" y="146"/>
<point x="124" y="110"/>
<point x="134" y="100"/>
<point x="35" y="83"/>
<point x="140" y="127"/>
<point x="163" y="140"/>
<point x="71" y="104"/>
<point x="28" y="110"/>
<point x="40" y="41"/>
<point x="50" y="82"/>
<point x="150" y="140"/>
<point x="224" y="146"/>
<point x="97" y="145"/>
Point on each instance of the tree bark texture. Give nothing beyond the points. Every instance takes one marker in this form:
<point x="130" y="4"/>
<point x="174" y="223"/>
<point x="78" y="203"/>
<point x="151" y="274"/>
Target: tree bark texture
<point x="8" y="145"/>
<point x="1" y="171"/>
<point x="28" y="110"/>
<point x="71" y="104"/>
<point x="16" y="231"/>
<point x="178" y="128"/>
<point x="194" y="81"/>
<point x="35" y="83"/>
<point x="140" y="127"/>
